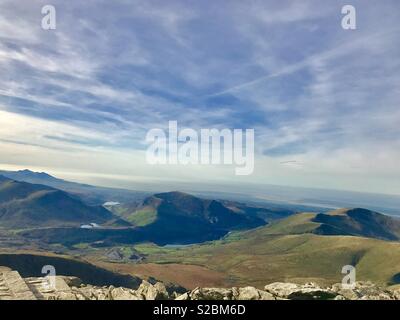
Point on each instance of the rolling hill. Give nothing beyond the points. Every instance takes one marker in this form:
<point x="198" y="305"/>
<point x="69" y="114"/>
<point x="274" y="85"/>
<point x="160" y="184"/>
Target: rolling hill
<point x="166" y="218"/>
<point x="359" y="222"/>
<point x="260" y="259"/>
<point x="351" y="222"/>
<point x="180" y="217"/>
<point x="220" y="214"/>
<point x="300" y="248"/>
<point x="25" y="205"/>
<point x="257" y="248"/>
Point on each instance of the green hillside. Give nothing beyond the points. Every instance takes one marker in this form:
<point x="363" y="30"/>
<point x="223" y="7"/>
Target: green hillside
<point x="25" y="205"/>
<point x="289" y="250"/>
<point x="166" y="218"/>
<point x="295" y="258"/>
<point x="359" y="222"/>
<point x="351" y="222"/>
<point x="177" y="217"/>
<point x="175" y="205"/>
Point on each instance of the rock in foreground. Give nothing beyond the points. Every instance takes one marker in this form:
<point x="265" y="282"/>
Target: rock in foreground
<point x="14" y="287"/>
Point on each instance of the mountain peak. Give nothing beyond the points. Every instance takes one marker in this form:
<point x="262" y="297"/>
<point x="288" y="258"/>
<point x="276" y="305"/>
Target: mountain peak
<point x="172" y="195"/>
<point x="353" y="212"/>
<point x="23" y="204"/>
<point x="29" y="176"/>
<point x="34" y="173"/>
<point x="25" y="171"/>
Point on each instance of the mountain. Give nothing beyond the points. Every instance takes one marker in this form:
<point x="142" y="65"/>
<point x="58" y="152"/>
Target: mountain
<point x="181" y="217"/>
<point x="25" y="205"/>
<point x="165" y="218"/>
<point x="263" y="211"/>
<point x="297" y="249"/>
<point x="352" y="222"/>
<point x="257" y="258"/>
<point x="359" y="222"/>
<point x="221" y="214"/>
<point x="92" y="195"/>
<point x="212" y="212"/>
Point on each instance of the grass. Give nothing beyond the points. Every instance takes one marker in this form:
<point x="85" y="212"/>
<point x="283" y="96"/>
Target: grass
<point x="142" y="217"/>
<point x="259" y="258"/>
<point x="152" y="249"/>
<point x="296" y="224"/>
<point x="263" y="258"/>
<point x="286" y="250"/>
<point x="81" y="246"/>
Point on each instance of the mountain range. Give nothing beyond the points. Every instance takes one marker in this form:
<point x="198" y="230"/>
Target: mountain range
<point x="301" y="248"/>
<point x="55" y="215"/>
<point x="26" y="205"/>
<point x="92" y="195"/>
<point x="241" y="244"/>
<point x="179" y="217"/>
<point x="346" y="222"/>
<point x="166" y="218"/>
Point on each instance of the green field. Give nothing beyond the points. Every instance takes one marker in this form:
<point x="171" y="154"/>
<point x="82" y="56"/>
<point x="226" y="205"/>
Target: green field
<point x="286" y="251"/>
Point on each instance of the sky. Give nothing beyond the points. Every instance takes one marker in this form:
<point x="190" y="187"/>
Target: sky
<point x="77" y="101"/>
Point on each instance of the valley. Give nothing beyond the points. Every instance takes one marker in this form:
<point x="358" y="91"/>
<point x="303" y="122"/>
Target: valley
<point x="187" y="241"/>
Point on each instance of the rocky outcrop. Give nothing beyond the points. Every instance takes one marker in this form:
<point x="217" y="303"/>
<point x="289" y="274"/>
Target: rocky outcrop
<point x="14" y="287"/>
<point x="292" y="291"/>
<point x="148" y="291"/>
<point x="246" y="293"/>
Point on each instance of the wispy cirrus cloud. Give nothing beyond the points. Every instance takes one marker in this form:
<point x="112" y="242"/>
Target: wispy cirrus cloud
<point x="113" y="70"/>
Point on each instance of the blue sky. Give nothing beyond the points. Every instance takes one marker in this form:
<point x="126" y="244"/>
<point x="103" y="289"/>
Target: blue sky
<point x="324" y="102"/>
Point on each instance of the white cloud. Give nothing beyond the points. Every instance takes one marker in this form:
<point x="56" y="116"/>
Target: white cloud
<point x="325" y="97"/>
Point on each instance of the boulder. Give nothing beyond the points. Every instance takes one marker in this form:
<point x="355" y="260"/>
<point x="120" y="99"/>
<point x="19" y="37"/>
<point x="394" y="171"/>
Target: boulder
<point x="395" y="292"/>
<point x="152" y="292"/>
<point x="124" y="294"/>
<point x="72" y="281"/>
<point x="184" y="296"/>
<point x="13" y="286"/>
<point x="65" y="296"/>
<point x="281" y="289"/>
<point x="251" y="293"/>
<point x="363" y="291"/>
<point x="308" y="291"/>
<point x="211" y="294"/>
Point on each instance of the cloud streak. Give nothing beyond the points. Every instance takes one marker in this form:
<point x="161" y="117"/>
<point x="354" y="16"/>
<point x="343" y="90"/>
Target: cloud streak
<point x="316" y="93"/>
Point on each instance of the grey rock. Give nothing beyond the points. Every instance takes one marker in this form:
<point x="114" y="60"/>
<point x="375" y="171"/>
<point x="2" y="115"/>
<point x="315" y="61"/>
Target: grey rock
<point x="14" y="287"/>
<point x="184" y="296"/>
<point x="308" y="291"/>
<point x="251" y="293"/>
<point x="157" y="291"/>
<point x="211" y="294"/>
<point x="124" y="294"/>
